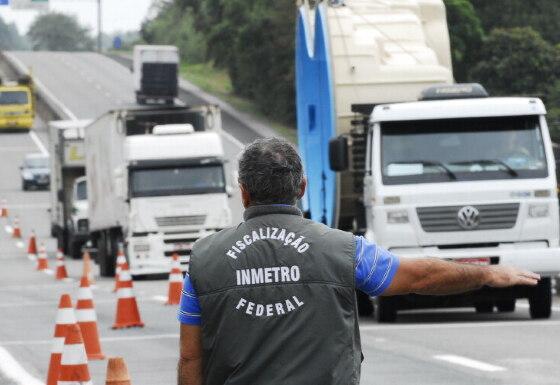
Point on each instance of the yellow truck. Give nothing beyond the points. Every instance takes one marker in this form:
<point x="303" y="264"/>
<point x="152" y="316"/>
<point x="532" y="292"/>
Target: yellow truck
<point x="17" y="107"/>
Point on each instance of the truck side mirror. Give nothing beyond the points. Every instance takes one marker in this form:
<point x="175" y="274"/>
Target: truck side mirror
<point x="338" y="154"/>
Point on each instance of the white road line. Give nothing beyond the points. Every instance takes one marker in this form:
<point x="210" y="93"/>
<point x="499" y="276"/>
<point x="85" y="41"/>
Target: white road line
<point x="102" y="339"/>
<point x="234" y="140"/>
<point x="457" y="325"/>
<point x="159" y="298"/>
<point x="38" y="143"/>
<point x="23" y="69"/>
<point x="14" y="371"/>
<point x="526" y="306"/>
<point x="469" y="363"/>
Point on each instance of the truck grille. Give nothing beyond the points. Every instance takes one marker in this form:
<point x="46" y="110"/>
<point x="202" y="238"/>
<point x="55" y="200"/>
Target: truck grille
<point x="445" y="218"/>
<point x="186" y="220"/>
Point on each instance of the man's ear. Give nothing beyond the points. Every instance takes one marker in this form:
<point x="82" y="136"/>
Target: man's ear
<point x="302" y="187"/>
<point x="245" y="196"/>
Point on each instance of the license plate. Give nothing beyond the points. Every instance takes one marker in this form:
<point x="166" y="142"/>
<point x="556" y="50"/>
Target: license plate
<point x="473" y="261"/>
<point x="183" y="246"/>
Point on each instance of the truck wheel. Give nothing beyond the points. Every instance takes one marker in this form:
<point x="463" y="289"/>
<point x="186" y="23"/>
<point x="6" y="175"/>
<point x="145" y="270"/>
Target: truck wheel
<point x="540" y="300"/>
<point x="386" y="310"/>
<point x="24" y="185"/>
<point x="365" y="306"/>
<point x="484" y="307"/>
<point x="103" y="256"/>
<point x="75" y="249"/>
<point x="506" y="305"/>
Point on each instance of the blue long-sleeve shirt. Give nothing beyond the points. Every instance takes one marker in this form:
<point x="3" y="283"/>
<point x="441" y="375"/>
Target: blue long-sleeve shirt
<point x="375" y="269"/>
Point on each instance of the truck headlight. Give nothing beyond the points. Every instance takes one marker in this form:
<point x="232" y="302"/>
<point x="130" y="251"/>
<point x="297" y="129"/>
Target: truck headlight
<point x="141" y="247"/>
<point x="538" y="210"/>
<point x="397" y="216"/>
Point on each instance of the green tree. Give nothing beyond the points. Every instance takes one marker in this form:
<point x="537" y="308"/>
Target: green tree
<point x="10" y="39"/>
<point x="541" y="15"/>
<point x="517" y="61"/>
<point x="59" y="32"/>
<point x="466" y="34"/>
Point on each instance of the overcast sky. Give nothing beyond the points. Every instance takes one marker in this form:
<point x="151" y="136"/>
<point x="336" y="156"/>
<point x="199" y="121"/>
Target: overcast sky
<point x="118" y="15"/>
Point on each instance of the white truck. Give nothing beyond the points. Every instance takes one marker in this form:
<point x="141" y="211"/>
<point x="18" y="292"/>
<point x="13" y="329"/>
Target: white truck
<point x="69" y="221"/>
<point x="155" y="71"/>
<point x="156" y="183"/>
<point x="442" y="171"/>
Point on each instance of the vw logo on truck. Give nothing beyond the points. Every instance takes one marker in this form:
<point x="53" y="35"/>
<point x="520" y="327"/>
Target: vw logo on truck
<point x="468" y="217"/>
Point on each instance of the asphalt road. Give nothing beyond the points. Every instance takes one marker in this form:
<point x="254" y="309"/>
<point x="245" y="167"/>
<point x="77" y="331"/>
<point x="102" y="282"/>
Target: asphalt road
<point x="444" y="347"/>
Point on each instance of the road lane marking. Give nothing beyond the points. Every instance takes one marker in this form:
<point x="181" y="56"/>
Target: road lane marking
<point x="102" y="339"/>
<point x="159" y="298"/>
<point x="38" y="143"/>
<point x="14" y="371"/>
<point x="457" y="325"/>
<point x="24" y="69"/>
<point x="469" y="363"/>
<point x="233" y="140"/>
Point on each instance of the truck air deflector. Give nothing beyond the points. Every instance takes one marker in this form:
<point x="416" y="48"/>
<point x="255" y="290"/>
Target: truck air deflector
<point x="315" y="111"/>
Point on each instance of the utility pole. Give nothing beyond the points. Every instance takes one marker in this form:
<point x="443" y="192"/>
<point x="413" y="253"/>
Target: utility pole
<point x="99" y="30"/>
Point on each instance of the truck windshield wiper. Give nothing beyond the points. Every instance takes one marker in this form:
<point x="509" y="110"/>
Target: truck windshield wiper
<point x="499" y="162"/>
<point x="441" y="165"/>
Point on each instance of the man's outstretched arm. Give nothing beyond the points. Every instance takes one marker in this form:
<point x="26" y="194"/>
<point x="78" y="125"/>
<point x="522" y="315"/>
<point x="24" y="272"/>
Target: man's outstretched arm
<point x="432" y="276"/>
<point x="190" y="360"/>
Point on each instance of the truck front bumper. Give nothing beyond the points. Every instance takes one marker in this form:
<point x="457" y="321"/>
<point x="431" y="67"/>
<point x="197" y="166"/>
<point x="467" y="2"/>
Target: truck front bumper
<point x="16" y="122"/>
<point x="533" y="256"/>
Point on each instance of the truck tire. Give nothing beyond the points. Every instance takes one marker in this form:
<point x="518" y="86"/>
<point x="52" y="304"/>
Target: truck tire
<point x="24" y="185"/>
<point x="540" y="300"/>
<point x="506" y="305"/>
<point x="386" y="310"/>
<point x="74" y="248"/>
<point x="106" y="269"/>
<point x="365" y="306"/>
<point x="484" y="307"/>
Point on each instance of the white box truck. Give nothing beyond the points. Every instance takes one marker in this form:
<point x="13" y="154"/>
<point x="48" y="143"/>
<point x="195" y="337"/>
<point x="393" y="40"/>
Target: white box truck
<point x="155" y="71"/>
<point x="156" y="183"/>
<point x="69" y="222"/>
<point x="442" y="171"/>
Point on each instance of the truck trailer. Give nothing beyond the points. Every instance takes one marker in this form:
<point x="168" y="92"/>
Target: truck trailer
<point x="394" y="151"/>
<point x="156" y="184"/>
<point x="69" y="221"/>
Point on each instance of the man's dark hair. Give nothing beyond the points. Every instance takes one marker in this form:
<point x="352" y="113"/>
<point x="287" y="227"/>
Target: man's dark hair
<point x="270" y="171"/>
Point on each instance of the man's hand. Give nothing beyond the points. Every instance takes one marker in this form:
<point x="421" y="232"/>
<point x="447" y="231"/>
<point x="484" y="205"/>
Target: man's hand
<point x="189" y="371"/>
<point x="432" y="276"/>
<point x="505" y="276"/>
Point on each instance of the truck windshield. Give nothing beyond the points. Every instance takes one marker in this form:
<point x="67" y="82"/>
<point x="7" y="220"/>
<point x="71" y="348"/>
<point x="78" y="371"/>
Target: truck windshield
<point x="13" y="97"/>
<point x="36" y="162"/>
<point x="431" y="151"/>
<point x="165" y="181"/>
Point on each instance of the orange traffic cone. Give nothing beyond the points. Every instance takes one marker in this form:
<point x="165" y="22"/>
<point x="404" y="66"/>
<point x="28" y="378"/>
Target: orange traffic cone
<point x="64" y="318"/>
<point x="73" y="364"/>
<point x="127" y="308"/>
<point x="175" y="282"/>
<point x="32" y="248"/>
<point x="87" y="270"/>
<point x="117" y="372"/>
<point x="42" y="263"/>
<point x="121" y="260"/>
<point x="60" y="266"/>
<point x="4" y="209"/>
<point x="16" y="230"/>
<point x="87" y="320"/>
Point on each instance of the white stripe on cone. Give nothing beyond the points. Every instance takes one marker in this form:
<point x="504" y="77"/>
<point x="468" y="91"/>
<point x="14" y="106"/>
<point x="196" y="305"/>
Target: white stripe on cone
<point x="58" y="345"/>
<point x="74" y="354"/>
<point x="175" y="277"/>
<point x="125" y="292"/>
<point x="74" y="383"/>
<point x="86" y="315"/>
<point x="125" y="276"/>
<point x="65" y="316"/>
<point x="84" y="293"/>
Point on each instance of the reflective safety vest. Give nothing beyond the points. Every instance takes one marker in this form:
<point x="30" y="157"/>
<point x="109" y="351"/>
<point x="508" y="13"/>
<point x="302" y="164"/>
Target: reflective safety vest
<point x="277" y="302"/>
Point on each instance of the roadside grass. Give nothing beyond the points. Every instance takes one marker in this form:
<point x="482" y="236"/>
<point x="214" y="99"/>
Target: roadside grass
<point x="216" y="81"/>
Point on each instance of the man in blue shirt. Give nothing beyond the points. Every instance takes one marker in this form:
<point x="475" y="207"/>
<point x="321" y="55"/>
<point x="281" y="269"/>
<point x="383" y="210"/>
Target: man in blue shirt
<point x="272" y="300"/>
